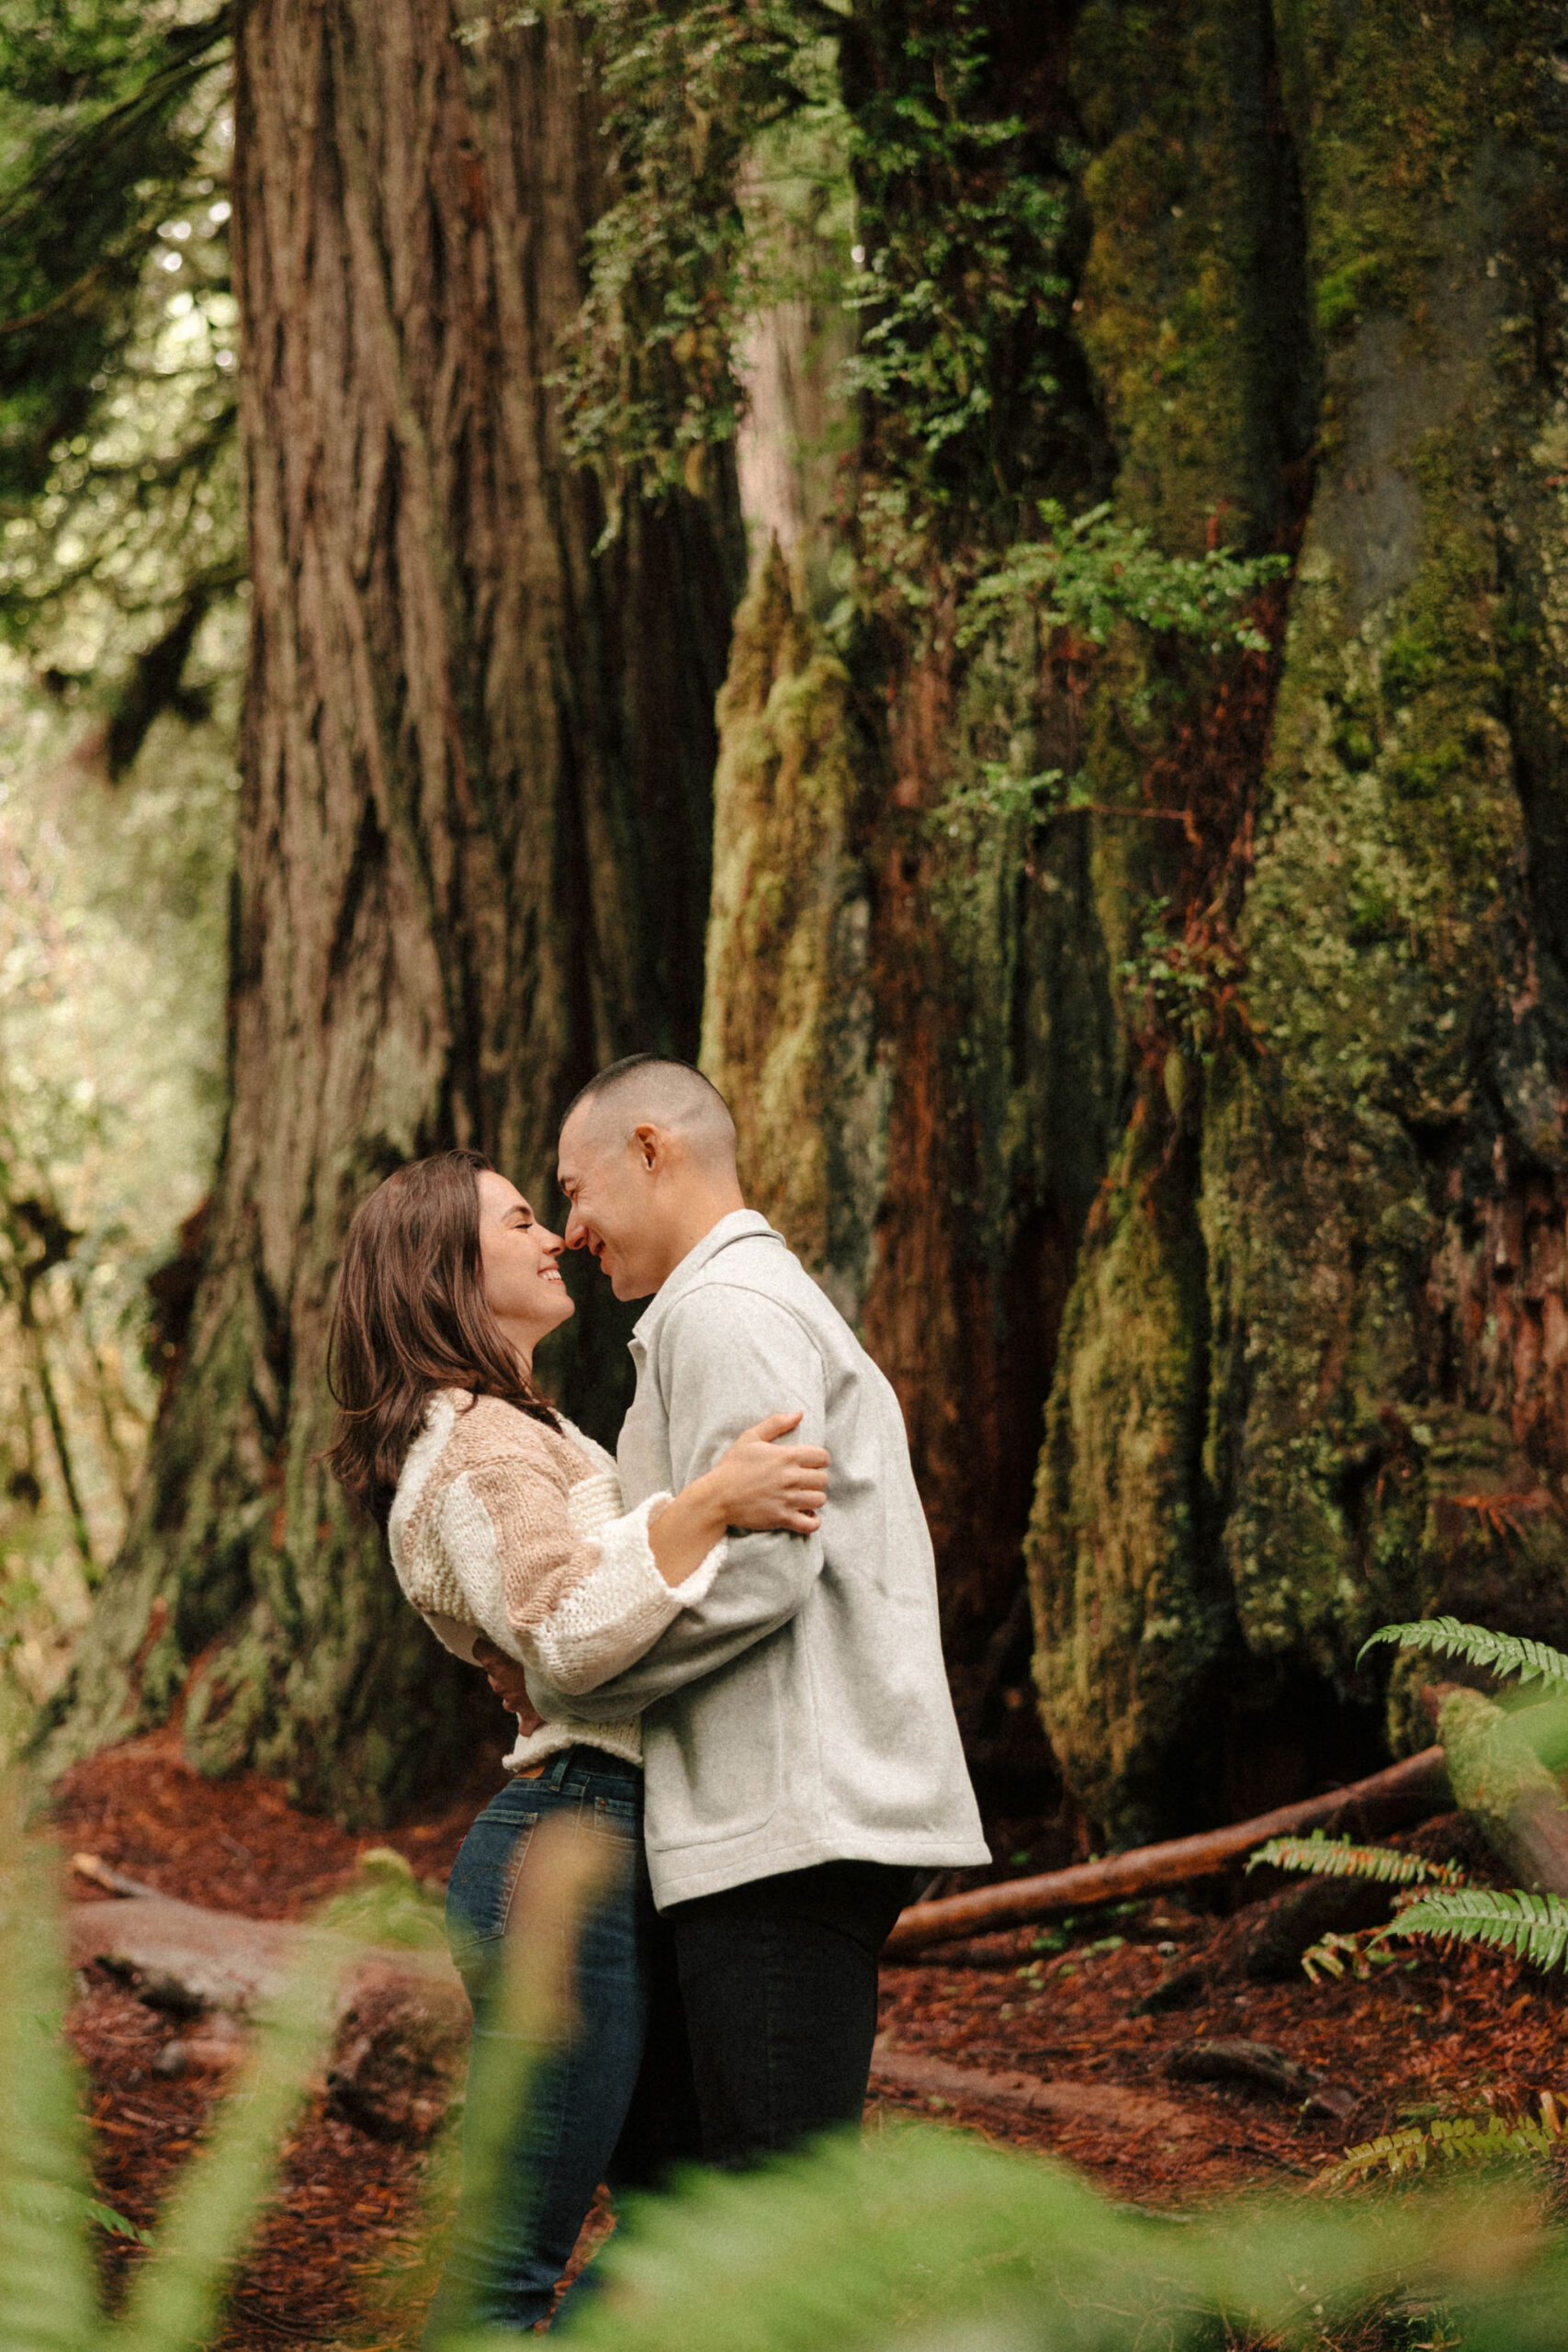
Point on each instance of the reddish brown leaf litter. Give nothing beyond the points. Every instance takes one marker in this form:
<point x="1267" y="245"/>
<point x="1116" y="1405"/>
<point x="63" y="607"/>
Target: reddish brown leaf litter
<point x="1430" y="2034"/>
<point x="239" y="1844"/>
<point x="347" y="2209"/>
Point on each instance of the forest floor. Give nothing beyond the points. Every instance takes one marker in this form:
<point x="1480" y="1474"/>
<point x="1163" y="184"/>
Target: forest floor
<point x="348" y="2233"/>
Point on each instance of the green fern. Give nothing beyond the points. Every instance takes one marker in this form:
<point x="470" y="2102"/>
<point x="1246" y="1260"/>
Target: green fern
<point x="1338" y="1857"/>
<point x="1335" y="1956"/>
<point x="175" y="2294"/>
<point x="1535" y="1927"/>
<point x="47" y="2298"/>
<point x="1461" y="2139"/>
<point x="48" y="2301"/>
<point x="1499" y="1653"/>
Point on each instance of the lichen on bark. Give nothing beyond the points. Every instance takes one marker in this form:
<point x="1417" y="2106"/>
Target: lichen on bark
<point x="1131" y="1610"/>
<point x="1387" y="1158"/>
<point x="789" y="1029"/>
<point x="1194" y="320"/>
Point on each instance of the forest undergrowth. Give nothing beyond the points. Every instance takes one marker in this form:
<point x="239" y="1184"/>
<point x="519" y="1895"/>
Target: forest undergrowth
<point x="1431" y="2034"/>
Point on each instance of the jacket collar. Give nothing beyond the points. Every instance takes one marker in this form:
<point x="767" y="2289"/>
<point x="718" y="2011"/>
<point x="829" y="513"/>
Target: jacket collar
<point x="740" y="1224"/>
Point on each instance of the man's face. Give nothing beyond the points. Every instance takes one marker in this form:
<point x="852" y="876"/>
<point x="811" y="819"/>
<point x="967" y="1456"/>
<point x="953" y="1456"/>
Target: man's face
<point x="615" y="1205"/>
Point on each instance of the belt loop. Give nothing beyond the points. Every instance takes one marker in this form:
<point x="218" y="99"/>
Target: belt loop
<point x="557" y="1768"/>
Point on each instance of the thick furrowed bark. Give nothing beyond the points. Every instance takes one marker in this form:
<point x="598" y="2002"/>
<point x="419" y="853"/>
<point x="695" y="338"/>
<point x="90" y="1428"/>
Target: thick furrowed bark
<point x="473" y="846"/>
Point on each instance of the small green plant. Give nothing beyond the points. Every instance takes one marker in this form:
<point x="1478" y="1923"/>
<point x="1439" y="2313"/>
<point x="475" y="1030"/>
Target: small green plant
<point x="1499" y="1653"/>
<point x="1437" y="1900"/>
<point x="1338" y="1857"/>
<point x="388" y="1903"/>
<point x="1089" y="573"/>
<point x="1464" y="2139"/>
<point x="1338" y="1956"/>
<point x="1532" y="1926"/>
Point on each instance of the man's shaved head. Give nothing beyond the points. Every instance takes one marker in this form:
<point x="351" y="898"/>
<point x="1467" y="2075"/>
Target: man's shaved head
<point x="649" y="1089"/>
<point x="647" y="1160"/>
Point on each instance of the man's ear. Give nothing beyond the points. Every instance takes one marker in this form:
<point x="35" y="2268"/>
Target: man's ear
<point x="650" y="1147"/>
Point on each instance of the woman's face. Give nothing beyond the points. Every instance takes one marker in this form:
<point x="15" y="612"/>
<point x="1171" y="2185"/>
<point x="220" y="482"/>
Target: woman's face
<point x="523" y="1285"/>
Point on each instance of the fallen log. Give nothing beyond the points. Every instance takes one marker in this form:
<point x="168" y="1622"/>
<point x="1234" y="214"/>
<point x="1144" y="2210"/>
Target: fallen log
<point x="402" y="2015"/>
<point x="1392" y="1799"/>
<point x="1504" y="1786"/>
<point x="1106" y="2106"/>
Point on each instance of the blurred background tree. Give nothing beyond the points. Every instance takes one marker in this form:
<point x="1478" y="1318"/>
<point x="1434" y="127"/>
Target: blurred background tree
<point x="121" y="587"/>
<point x="1136" y="816"/>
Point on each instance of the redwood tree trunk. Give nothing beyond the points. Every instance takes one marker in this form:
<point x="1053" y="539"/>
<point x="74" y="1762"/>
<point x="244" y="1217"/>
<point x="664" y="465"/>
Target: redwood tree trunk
<point x="474" y="832"/>
<point x="1288" y="1267"/>
<point x="1373" y="1316"/>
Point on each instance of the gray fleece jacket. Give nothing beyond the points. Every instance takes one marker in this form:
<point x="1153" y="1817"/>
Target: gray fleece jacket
<point x="800" y="1711"/>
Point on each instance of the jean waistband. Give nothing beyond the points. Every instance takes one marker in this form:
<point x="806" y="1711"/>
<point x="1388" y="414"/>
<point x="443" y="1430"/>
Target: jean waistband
<point x="569" y="1766"/>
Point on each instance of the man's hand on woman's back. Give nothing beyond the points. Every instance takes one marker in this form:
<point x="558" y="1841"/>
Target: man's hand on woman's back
<point x="506" y="1678"/>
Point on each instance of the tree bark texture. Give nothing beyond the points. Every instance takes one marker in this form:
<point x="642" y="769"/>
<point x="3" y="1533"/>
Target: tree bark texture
<point x="1289" y="1285"/>
<point x="1376" y="1427"/>
<point x="474" y="839"/>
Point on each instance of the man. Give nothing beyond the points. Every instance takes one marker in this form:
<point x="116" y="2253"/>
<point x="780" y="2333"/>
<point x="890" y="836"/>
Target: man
<point x="803" y="1771"/>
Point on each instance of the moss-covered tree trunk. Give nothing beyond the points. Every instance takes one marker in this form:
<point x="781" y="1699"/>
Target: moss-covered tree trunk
<point x="918" y="1041"/>
<point x="474" y="837"/>
<point x="1342" y="1399"/>
<point x="1240" y="1137"/>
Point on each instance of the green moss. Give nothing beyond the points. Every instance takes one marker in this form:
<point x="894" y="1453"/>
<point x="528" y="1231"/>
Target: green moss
<point x="1129" y="1614"/>
<point x="1347" y="1406"/>
<point x="789" y="1030"/>
<point x="1189" y="306"/>
<point x="1387" y="930"/>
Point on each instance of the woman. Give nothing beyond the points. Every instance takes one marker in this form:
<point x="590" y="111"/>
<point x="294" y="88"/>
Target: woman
<point x="506" y="1524"/>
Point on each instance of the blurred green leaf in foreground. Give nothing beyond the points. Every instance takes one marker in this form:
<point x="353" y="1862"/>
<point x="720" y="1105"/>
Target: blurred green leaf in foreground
<point x="923" y="2238"/>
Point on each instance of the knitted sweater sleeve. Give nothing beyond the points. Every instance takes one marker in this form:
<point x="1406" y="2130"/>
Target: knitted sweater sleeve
<point x="577" y="1581"/>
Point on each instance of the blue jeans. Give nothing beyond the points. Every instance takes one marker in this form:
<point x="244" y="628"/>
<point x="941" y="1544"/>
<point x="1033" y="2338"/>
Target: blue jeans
<point x="503" y="2264"/>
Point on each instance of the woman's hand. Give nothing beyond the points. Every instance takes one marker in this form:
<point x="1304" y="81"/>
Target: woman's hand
<point x="506" y="1678"/>
<point x="758" y="1483"/>
<point x="761" y="1484"/>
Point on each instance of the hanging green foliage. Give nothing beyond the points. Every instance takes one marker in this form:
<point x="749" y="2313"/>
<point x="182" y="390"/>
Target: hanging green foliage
<point x="648" y="377"/>
<point x="962" y="212"/>
<point x="104" y="118"/>
<point x="120" y="528"/>
<point x="955" y="275"/>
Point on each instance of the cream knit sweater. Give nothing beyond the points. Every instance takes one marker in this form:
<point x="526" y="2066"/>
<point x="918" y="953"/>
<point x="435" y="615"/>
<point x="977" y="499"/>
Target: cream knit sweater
<point x="503" y="1526"/>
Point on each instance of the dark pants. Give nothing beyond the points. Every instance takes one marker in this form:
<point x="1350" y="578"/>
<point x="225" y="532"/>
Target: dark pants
<point x="734" y="2026"/>
<point x="778" y="1981"/>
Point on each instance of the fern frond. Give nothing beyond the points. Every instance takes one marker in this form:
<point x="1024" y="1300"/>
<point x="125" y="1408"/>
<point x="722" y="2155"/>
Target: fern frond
<point x="1533" y="1925"/>
<point x="1334" y="1953"/>
<point x="174" y="2298"/>
<point x="1458" y="2139"/>
<point x="1499" y="1653"/>
<point x="1338" y="1857"/>
<point x="48" y="2300"/>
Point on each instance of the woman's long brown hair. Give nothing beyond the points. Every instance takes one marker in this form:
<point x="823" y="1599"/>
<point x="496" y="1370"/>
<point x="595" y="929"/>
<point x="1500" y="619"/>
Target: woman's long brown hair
<point x="412" y="1317"/>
